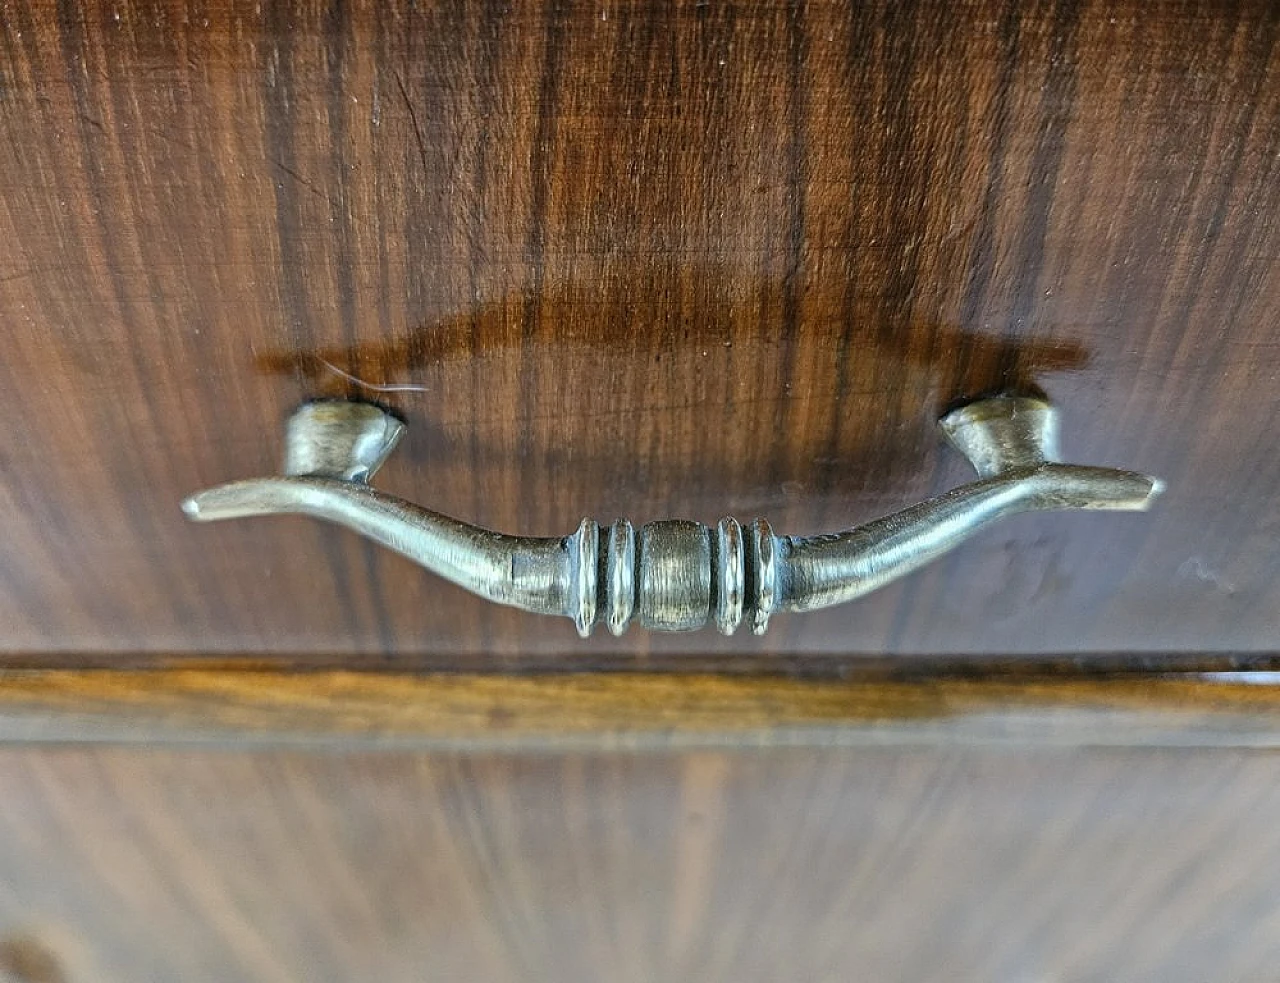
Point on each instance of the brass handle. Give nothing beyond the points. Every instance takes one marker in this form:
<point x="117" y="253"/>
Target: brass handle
<point x="675" y="575"/>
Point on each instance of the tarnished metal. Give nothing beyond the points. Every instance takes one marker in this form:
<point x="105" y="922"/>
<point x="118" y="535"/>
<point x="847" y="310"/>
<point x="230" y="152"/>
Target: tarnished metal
<point x="676" y="574"/>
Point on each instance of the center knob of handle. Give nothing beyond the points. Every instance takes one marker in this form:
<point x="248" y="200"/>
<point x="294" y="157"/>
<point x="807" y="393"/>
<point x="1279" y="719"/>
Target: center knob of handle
<point x="678" y="574"/>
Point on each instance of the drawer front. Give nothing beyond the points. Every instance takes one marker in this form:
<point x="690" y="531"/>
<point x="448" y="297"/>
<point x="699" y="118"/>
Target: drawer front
<point x="891" y="864"/>
<point x="643" y="260"/>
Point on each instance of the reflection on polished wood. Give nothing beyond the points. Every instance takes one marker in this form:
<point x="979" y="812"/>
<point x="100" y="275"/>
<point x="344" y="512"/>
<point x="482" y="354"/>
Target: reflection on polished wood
<point x="653" y="259"/>
<point x="710" y="866"/>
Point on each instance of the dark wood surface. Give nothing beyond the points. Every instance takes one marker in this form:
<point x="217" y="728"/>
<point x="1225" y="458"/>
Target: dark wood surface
<point x="643" y="259"/>
<point x="891" y="864"/>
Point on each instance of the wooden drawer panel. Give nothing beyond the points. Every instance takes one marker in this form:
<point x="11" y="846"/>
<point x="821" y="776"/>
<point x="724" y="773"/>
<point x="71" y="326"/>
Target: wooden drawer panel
<point x="640" y="259"/>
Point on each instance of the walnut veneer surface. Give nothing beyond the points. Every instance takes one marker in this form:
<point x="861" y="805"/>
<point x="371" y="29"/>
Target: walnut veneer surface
<point x="643" y="259"/>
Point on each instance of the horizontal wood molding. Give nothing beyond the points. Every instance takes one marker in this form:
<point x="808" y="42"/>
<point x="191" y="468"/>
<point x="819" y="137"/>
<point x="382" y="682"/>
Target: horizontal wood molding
<point x="246" y="707"/>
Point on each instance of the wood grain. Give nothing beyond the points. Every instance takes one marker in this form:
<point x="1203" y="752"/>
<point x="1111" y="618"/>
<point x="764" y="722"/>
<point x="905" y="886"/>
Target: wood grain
<point x="801" y="864"/>
<point x="242" y="708"/>
<point x="643" y="259"/>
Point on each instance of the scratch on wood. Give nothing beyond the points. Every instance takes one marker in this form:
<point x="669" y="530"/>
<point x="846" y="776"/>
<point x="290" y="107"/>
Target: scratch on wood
<point x="302" y="181"/>
<point x="413" y="118"/>
<point x="396" y="387"/>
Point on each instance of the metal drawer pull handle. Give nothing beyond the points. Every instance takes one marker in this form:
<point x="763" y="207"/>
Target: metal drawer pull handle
<point x="675" y="575"/>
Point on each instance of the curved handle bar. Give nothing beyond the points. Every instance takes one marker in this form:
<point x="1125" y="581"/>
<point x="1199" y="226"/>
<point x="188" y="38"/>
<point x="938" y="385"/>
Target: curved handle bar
<point x="675" y="574"/>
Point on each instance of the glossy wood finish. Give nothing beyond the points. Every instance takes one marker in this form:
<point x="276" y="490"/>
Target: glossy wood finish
<point x="238" y="708"/>
<point x="825" y="865"/>
<point x="268" y="826"/>
<point x="640" y="259"/>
